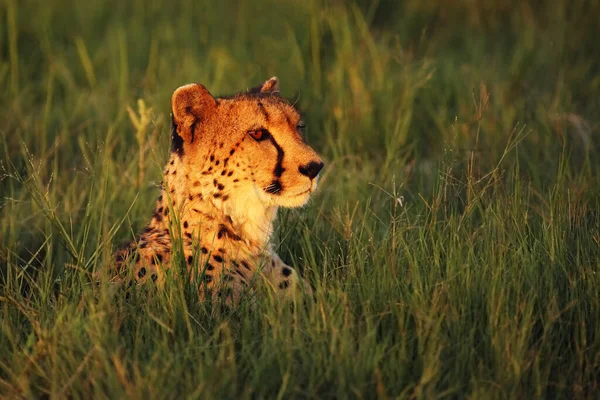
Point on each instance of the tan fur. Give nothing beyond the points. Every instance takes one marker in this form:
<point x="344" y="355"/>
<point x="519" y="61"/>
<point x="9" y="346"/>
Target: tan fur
<point x="221" y="191"/>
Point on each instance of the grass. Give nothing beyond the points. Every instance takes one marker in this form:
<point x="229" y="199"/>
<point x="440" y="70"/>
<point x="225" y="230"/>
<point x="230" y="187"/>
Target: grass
<point x="454" y="243"/>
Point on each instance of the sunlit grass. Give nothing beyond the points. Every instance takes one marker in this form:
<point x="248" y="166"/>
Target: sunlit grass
<point x="454" y="243"/>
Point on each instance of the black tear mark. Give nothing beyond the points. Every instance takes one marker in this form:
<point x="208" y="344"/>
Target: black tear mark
<point x="176" y="140"/>
<point x="278" y="171"/>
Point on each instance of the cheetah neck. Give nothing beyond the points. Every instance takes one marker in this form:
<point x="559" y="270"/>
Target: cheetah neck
<point x="197" y="203"/>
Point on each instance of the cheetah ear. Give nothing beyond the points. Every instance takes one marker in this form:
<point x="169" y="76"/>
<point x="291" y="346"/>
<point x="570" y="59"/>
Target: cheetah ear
<point x="191" y="103"/>
<point x="269" y="86"/>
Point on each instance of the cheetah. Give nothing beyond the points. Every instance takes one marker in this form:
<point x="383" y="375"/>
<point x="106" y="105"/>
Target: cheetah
<point x="234" y="161"/>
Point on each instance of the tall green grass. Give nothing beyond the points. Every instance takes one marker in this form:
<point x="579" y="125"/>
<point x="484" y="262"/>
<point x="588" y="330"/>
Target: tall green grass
<point x="454" y="243"/>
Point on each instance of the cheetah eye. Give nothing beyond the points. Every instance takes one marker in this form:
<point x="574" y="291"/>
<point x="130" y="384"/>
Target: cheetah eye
<point x="259" y="134"/>
<point x="301" y="125"/>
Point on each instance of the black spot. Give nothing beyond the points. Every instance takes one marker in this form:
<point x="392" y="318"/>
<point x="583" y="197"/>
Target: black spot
<point x="227" y="278"/>
<point x="167" y="211"/>
<point x="245" y="264"/>
<point x="210" y="267"/>
<point x="218" y="258"/>
<point x="223" y="172"/>
<point x="217" y="162"/>
<point x="188" y="235"/>
<point x="172" y="162"/>
<point x="204" y="250"/>
<point x="160" y="209"/>
<point x="185" y="224"/>
<point x="207" y="278"/>
<point x="231" y="152"/>
<point x="142" y="272"/>
<point x="278" y="171"/>
<point x="284" y="284"/>
<point x="159" y="257"/>
<point x="154" y="277"/>
<point x="143" y="245"/>
<point x="217" y="195"/>
<point x="286" y="271"/>
<point x="212" y="158"/>
<point x="236" y="180"/>
<point x="209" y="169"/>
<point x="176" y="140"/>
<point x="191" y="197"/>
<point x="157" y="216"/>
<point x="225" y="197"/>
<point x="230" y="173"/>
<point x="225" y="231"/>
<point x="189" y="260"/>
<point x="238" y="273"/>
<point x="220" y="186"/>
<point x="160" y="198"/>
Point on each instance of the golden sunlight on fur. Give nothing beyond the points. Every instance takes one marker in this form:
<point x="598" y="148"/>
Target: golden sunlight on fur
<point x="234" y="161"/>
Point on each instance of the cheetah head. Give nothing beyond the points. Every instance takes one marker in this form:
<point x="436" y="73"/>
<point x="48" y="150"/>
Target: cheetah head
<point x="244" y="148"/>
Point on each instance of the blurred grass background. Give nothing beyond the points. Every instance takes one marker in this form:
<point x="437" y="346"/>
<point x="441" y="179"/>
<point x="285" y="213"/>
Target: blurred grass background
<point x="454" y="243"/>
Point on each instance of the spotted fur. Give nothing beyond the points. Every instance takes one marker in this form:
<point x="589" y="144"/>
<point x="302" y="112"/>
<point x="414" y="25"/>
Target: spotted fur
<point x="234" y="161"/>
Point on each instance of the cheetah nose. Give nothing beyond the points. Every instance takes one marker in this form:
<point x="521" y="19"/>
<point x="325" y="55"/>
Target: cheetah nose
<point x="311" y="169"/>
